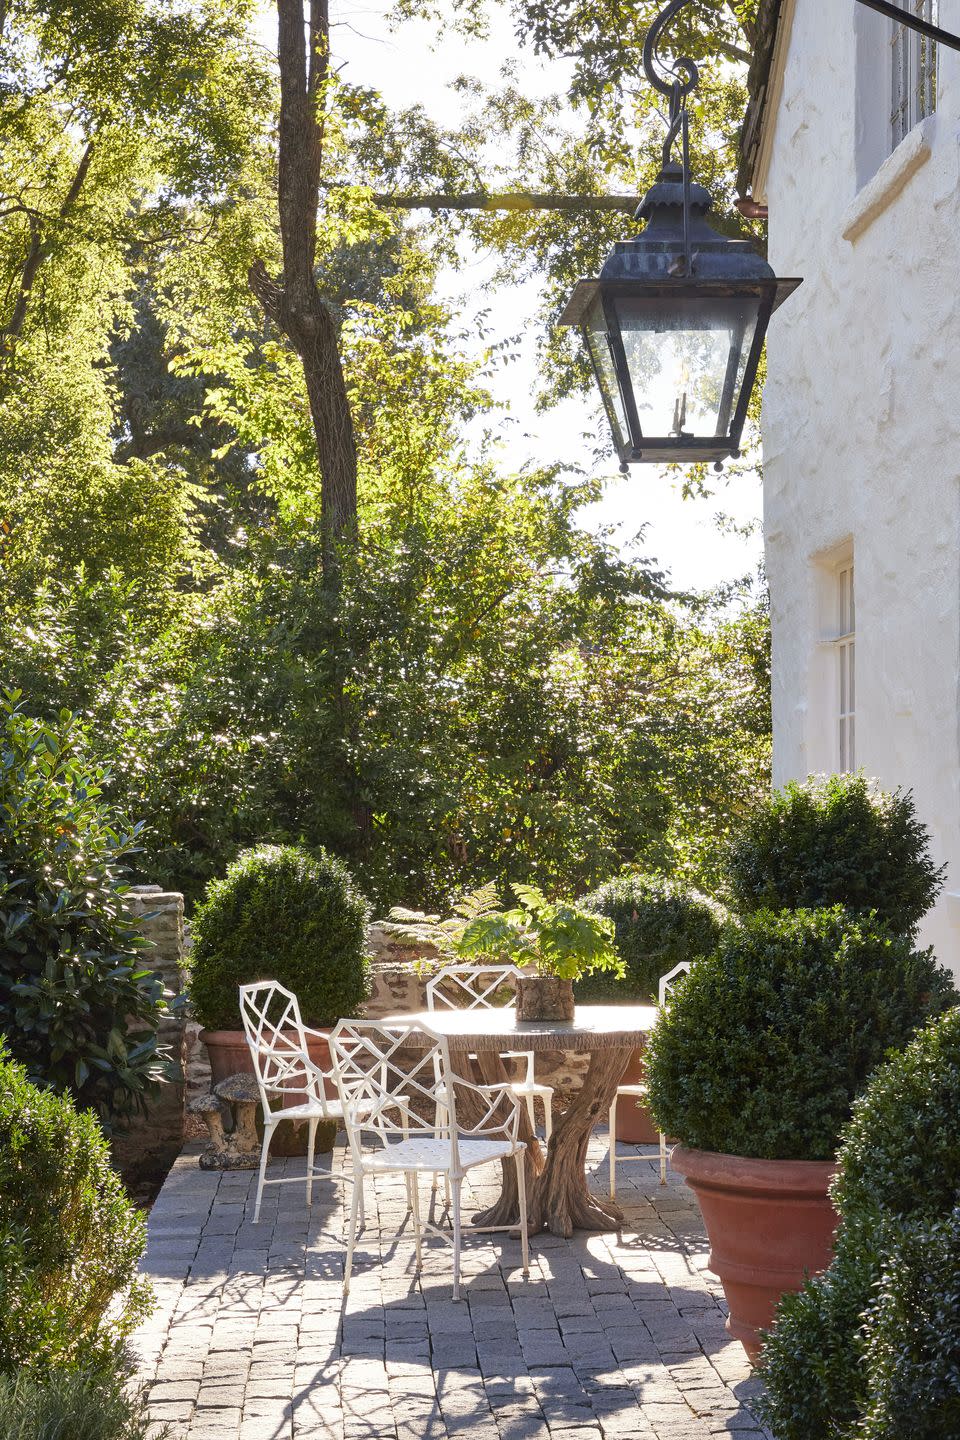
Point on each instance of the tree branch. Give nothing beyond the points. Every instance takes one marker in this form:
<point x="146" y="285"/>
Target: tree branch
<point x="517" y="200"/>
<point x="41" y="233"/>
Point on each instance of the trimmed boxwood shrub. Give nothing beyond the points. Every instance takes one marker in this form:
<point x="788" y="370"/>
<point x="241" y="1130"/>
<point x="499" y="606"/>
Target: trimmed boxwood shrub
<point x="836" y="840"/>
<point x="79" y="1003"/>
<point x="912" y="1336"/>
<point x="70" y="1239"/>
<point x="280" y="913"/>
<point x="860" y="1339"/>
<point x="657" y="923"/>
<point x="769" y="1039"/>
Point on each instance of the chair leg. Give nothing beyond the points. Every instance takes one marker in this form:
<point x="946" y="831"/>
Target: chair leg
<point x="352" y="1237"/>
<point x="531" y="1112"/>
<point x="613" y="1147"/>
<point x="264" y="1154"/>
<point x="548" y="1116"/>
<point x="520" y="1158"/>
<point x="663" y="1159"/>
<point x="311" y="1145"/>
<point x="455" y="1188"/>
<point x="413" y="1192"/>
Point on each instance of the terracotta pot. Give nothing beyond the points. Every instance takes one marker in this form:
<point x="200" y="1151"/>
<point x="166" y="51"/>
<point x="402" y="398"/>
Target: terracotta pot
<point x="770" y="1224"/>
<point x="229" y="1054"/>
<point x="544" y="997"/>
<point x="634" y="1125"/>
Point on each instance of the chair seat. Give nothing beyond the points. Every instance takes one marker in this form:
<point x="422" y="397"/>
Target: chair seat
<point x="529" y="1087"/>
<point x="640" y="1091"/>
<point x="308" y="1110"/>
<point x="434" y="1155"/>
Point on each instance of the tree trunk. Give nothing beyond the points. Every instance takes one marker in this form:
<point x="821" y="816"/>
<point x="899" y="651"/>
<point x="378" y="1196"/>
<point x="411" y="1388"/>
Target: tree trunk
<point x="294" y="302"/>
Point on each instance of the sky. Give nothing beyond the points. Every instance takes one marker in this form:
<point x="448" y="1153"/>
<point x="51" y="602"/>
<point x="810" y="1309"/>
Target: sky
<point x="408" y="66"/>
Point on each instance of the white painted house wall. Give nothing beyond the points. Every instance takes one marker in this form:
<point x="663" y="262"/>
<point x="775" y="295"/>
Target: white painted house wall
<point x="862" y="416"/>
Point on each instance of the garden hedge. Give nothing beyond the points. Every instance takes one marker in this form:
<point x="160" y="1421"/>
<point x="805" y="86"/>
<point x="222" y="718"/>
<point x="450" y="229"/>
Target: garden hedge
<point x="770" y="1038"/>
<point x="657" y="923"/>
<point x="70" y="1239"/>
<point x="280" y="913"/>
<point x="835" y="840"/>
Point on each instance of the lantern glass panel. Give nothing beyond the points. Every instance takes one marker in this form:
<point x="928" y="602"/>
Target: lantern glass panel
<point x="596" y="333"/>
<point x="686" y="356"/>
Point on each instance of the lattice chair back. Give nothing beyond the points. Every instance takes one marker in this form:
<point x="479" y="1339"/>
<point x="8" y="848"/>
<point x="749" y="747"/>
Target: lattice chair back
<point x="386" y="1078"/>
<point x="473" y="987"/>
<point x="668" y="981"/>
<point x="278" y="1045"/>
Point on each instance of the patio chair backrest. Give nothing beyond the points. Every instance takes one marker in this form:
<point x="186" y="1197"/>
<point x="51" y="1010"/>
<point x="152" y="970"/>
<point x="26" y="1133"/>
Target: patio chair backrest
<point x="473" y="987"/>
<point x="278" y="1044"/>
<point x="668" y="981"/>
<point x="386" y="1076"/>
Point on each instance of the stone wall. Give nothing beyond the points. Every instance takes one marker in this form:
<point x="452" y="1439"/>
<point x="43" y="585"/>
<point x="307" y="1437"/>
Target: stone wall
<point x="150" y="1144"/>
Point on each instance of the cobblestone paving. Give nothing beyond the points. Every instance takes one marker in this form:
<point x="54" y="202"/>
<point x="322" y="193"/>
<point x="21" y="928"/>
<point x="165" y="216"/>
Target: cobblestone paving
<point x="611" y="1336"/>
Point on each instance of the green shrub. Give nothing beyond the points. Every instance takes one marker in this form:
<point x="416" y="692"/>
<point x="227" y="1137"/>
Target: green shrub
<point x="769" y="1039"/>
<point x="69" y="1405"/>
<point x="836" y="840"/>
<point x="70" y="1239"/>
<point x="899" y="1169"/>
<point x="77" y="1004"/>
<point x="911" y="1340"/>
<point x="657" y="923"/>
<point x="280" y="913"/>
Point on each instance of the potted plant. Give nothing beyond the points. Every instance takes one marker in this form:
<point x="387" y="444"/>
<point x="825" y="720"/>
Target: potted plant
<point x="557" y="941"/>
<point x="279" y="913"/>
<point x="755" y="1066"/>
<point x="657" y="923"/>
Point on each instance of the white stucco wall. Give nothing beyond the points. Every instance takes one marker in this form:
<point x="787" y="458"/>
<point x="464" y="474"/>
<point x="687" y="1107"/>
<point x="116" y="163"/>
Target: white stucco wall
<point x="862" y="421"/>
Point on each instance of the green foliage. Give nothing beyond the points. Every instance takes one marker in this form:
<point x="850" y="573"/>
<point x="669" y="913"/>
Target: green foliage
<point x="556" y="937"/>
<point x="657" y="923"/>
<point x="912" y="1337"/>
<point x="495" y="691"/>
<point x="836" y="840"/>
<point x="280" y="913"/>
<point x="69" y="1405"/>
<point x="70" y="1240"/>
<point x="77" y="1004"/>
<point x="868" y="1330"/>
<point x="769" y="1039"/>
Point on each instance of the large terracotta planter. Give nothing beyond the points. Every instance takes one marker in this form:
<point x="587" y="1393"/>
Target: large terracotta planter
<point x="544" y="997"/>
<point x="229" y="1054"/>
<point x="634" y="1124"/>
<point x="770" y="1224"/>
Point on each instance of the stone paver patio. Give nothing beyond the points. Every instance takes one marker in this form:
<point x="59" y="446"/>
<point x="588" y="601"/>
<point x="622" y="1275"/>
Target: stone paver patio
<point x="610" y="1336"/>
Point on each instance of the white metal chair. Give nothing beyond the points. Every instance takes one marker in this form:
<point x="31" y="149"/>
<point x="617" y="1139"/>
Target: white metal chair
<point x="639" y="1091"/>
<point x="386" y="1078"/>
<point x="487" y="987"/>
<point x="277" y="1040"/>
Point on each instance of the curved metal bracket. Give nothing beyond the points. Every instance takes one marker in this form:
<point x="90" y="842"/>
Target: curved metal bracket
<point x="682" y="70"/>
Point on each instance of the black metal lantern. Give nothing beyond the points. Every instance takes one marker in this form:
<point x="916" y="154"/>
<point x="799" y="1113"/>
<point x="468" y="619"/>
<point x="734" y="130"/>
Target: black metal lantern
<point x="675" y="323"/>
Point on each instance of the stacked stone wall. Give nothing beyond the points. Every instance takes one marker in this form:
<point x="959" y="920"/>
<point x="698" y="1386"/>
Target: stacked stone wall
<point x="149" y="1144"/>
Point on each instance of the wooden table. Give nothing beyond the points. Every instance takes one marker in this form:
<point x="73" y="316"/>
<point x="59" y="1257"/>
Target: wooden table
<point x="558" y="1199"/>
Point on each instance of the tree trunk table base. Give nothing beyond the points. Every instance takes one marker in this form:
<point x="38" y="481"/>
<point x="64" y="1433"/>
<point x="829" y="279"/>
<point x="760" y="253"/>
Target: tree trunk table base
<point x="558" y="1198"/>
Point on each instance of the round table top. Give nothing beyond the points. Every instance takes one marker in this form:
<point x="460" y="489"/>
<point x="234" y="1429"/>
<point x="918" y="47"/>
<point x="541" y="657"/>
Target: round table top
<point x="594" y="1027"/>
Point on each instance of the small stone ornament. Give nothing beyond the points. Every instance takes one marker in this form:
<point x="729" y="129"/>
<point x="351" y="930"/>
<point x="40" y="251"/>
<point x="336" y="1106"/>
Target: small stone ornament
<point x="240" y="1150"/>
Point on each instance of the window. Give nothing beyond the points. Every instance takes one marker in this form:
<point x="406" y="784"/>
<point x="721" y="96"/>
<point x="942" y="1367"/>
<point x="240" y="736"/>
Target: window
<point x="845" y="646"/>
<point x="914" y="90"/>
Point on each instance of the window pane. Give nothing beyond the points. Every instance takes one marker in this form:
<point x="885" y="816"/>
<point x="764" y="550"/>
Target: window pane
<point x="595" y="329"/>
<point x="686" y="359"/>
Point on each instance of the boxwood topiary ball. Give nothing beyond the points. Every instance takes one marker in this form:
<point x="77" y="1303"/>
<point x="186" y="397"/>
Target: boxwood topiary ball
<point x="768" y="1041"/>
<point x="286" y="914"/>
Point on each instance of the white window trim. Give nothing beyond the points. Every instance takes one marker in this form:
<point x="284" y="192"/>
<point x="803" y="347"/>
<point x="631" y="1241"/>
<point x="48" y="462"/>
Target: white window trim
<point x="845" y="649"/>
